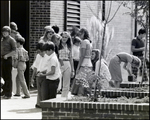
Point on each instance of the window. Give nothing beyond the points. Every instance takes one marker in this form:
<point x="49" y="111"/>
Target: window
<point x="72" y="14"/>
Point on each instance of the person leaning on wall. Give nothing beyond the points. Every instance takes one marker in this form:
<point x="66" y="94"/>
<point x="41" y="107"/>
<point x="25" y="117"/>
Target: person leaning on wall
<point x="8" y="49"/>
<point x="138" y="48"/>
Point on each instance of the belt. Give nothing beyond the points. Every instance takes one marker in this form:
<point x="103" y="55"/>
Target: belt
<point x="65" y="59"/>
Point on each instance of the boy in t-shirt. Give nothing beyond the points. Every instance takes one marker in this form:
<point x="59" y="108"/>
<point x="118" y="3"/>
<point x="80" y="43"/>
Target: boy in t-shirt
<point x="38" y="66"/>
<point x="52" y="73"/>
<point x="22" y="58"/>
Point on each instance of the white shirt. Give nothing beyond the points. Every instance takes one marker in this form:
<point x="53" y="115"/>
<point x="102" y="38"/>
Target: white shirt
<point x="40" y="62"/>
<point x="53" y="61"/>
<point x="76" y="52"/>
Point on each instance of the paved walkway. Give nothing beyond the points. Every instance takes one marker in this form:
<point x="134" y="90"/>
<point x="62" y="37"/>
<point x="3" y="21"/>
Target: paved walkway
<point x="18" y="108"/>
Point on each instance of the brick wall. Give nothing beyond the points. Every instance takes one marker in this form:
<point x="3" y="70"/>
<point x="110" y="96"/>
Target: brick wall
<point x="39" y="17"/>
<point x="57" y="14"/>
<point x="86" y="13"/>
<point x="60" y="109"/>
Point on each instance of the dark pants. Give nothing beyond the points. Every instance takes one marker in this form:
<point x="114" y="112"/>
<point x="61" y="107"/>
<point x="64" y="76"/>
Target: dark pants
<point x="75" y="68"/>
<point x="49" y="89"/>
<point x="6" y="74"/>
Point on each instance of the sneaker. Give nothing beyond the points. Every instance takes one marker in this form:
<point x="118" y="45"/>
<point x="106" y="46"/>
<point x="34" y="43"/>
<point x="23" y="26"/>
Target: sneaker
<point x="24" y="97"/>
<point x="37" y="106"/>
<point x="17" y="95"/>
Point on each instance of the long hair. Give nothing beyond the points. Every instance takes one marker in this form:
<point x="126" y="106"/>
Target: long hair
<point x="86" y="33"/>
<point x="69" y="41"/>
<point x="96" y="58"/>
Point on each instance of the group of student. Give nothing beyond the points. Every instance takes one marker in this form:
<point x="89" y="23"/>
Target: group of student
<point x="62" y="61"/>
<point x="13" y="54"/>
<point x="54" y="66"/>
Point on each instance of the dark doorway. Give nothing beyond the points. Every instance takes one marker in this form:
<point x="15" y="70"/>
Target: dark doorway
<point x="19" y="13"/>
<point x="4" y="13"/>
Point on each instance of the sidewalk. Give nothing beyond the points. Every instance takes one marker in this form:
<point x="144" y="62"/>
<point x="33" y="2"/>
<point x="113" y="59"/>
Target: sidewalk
<point x="18" y="108"/>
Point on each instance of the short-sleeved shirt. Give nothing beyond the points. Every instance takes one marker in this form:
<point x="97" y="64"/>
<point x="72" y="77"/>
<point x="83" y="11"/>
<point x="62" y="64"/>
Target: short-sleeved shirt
<point x="86" y="44"/>
<point x="53" y="61"/>
<point x="8" y="45"/>
<point x="76" y="52"/>
<point x="40" y="62"/>
<point x="138" y="43"/>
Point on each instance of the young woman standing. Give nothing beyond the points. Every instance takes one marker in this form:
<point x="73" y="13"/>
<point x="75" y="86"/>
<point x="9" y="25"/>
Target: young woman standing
<point x="66" y="61"/>
<point x="81" y="85"/>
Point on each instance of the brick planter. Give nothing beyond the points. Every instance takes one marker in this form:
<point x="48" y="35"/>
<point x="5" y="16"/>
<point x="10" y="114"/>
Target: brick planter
<point x="131" y="84"/>
<point x="117" y="93"/>
<point x="61" y="109"/>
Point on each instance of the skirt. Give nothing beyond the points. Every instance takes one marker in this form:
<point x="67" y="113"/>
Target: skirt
<point x="80" y="84"/>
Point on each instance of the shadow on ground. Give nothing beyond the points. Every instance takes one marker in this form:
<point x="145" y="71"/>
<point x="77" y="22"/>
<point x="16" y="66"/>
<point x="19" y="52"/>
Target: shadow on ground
<point x="21" y="111"/>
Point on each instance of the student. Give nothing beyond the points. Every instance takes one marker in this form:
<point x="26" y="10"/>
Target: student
<point x="76" y="51"/>
<point x="14" y="30"/>
<point x="66" y="61"/>
<point x="38" y="66"/>
<point x="8" y="49"/>
<point x="22" y="57"/>
<point x="115" y="69"/>
<point x="49" y="36"/>
<point x="138" y="48"/>
<point x="52" y="73"/>
<point x="95" y="57"/>
<point x="14" y="33"/>
<point x="75" y="55"/>
<point x="80" y="85"/>
<point x="56" y="38"/>
<point x="103" y="72"/>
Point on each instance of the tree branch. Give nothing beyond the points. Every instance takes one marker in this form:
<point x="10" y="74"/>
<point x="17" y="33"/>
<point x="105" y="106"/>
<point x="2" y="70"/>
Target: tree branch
<point x="115" y="12"/>
<point x="109" y="11"/>
<point x="91" y="10"/>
